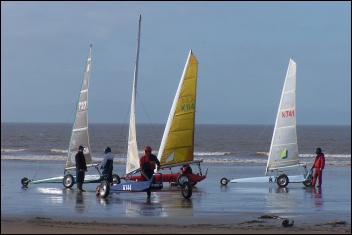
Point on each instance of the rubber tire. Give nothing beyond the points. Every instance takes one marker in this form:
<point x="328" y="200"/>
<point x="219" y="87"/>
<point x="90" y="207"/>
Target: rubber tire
<point x="186" y="190"/>
<point x="116" y="179"/>
<point x="224" y="181"/>
<point x="282" y="180"/>
<point x="24" y="181"/>
<point x="182" y="178"/>
<point x="307" y="182"/>
<point x="68" y="181"/>
<point x="104" y="189"/>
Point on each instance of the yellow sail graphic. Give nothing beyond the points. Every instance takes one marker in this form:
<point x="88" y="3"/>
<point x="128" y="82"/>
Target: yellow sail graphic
<point x="178" y="141"/>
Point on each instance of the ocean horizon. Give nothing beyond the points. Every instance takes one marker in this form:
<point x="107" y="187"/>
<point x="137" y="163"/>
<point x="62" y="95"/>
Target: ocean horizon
<point x="214" y="143"/>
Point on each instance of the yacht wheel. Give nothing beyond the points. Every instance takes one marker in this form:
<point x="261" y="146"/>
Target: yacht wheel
<point x="186" y="190"/>
<point x="282" y="180"/>
<point x="68" y="181"/>
<point x="116" y="179"/>
<point x="224" y="181"/>
<point x="182" y="179"/>
<point x="104" y="189"/>
<point x="24" y="181"/>
<point x="307" y="182"/>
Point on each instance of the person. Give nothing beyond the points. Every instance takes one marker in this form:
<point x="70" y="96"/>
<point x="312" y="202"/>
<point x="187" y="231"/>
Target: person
<point x="107" y="164"/>
<point x="186" y="169"/>
<point x="148" y="163"/>
<point x="319" y="164"/>
<point x="81" y="168"/>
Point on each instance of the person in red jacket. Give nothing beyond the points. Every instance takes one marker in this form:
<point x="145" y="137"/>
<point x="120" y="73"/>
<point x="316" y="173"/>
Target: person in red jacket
<point x="148" y="163"/>
<point x="318" y="166"/>
<point x="186" y="169"/>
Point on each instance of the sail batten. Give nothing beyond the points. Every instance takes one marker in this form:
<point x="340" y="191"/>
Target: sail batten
<point x="80" y="129"/>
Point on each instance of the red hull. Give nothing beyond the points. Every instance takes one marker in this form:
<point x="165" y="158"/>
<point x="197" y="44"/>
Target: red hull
<point x="193" y="178"/>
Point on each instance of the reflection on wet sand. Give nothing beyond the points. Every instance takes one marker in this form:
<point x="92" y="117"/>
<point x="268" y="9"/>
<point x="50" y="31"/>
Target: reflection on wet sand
<point x="80" y="202"/>
<point x="318" y="196"/>
<point x="280" y="200"/>
<point x="279" y="190"/>
<point x="162" y="204"/>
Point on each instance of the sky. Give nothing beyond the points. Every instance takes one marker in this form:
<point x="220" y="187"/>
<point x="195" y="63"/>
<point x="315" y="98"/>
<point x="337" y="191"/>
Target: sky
<point x="243" y="50"/>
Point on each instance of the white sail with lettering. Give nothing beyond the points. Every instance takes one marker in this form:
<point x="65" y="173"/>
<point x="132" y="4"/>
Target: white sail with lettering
<point x="80" y="134"/>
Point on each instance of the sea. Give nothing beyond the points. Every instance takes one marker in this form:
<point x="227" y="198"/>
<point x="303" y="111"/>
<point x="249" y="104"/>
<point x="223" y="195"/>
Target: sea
<point x="214" y="144"/>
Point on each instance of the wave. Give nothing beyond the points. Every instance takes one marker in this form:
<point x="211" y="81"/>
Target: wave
<point x="34" y="158"/>
<point x="263" y="162"/>
<point x="196" y="153"/>
<point x="12" y="150"/>
<point x="335" y="160"/>
<point x="58" y="151"/>
<point x="326" y="155"/>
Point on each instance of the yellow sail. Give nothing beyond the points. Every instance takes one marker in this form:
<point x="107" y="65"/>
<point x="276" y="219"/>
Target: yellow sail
<point x="178" y="140"/>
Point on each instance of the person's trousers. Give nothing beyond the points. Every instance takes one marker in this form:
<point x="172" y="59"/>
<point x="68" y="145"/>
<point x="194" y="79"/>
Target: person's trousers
<point x="318" y="174"/>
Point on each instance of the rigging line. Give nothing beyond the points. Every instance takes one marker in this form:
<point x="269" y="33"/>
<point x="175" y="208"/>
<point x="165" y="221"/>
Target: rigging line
<point x="261" y="133"/>
<point x="37" y="170"/>
<point x="73" y="109"/>
<point x="272" y="117"/>
<point x="153" y="127"/>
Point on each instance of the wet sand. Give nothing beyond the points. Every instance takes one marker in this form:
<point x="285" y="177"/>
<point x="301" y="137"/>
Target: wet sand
<point x="235" y="208"/>
<point x="42" y="225"/>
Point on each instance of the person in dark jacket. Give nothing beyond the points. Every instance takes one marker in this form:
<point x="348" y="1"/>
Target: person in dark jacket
<point x="81" y="168"/>
<point x="319" y="164"/>
<point x="148" y="163"/>
<point x="107" y="164"/>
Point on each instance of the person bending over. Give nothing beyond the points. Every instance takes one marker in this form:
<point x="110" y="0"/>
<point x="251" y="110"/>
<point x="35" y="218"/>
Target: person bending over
<point x="148" y="163"/>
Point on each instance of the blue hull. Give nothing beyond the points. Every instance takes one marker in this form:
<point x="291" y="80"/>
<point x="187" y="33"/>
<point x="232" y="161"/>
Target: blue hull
<point x="137" y="186"/>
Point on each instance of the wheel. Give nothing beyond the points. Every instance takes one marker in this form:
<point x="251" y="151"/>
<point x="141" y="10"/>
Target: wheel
<point x="104" y="189"/>
<point x="282" y="180"/>
<point x="116" y="179"/>
<point x="307" y="182"/>
<point x="193" y="183"/>
<point x="309" y="179"/>
<point x="24" y="181"/>
<point x="224" y="181"/>
<point x="182" y="178"/>
<point x="186" y="189"/>
<point x="68" y="181"/>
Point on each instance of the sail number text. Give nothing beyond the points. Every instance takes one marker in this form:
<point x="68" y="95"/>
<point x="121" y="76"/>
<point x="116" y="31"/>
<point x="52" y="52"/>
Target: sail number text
<point x="288" y="113"/>
<point x="188" y="103"/>
<point x="127" y="187"/>
<point x="82" y="105"/>
<point x="272" y="179"/>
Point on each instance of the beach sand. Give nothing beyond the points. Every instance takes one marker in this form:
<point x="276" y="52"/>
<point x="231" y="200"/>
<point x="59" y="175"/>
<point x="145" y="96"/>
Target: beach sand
<point x="45" y="225"/>
<point x="236" y="208"/>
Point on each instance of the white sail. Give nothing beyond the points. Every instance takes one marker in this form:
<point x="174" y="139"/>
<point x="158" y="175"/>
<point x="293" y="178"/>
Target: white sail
<point x="132" y="151"/>
<point x="284" y="149"/>
<point x="80" y="135"/>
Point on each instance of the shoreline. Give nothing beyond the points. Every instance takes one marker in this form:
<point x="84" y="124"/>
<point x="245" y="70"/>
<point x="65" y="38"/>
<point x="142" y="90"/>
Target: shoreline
<point x="210" y="225"/>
